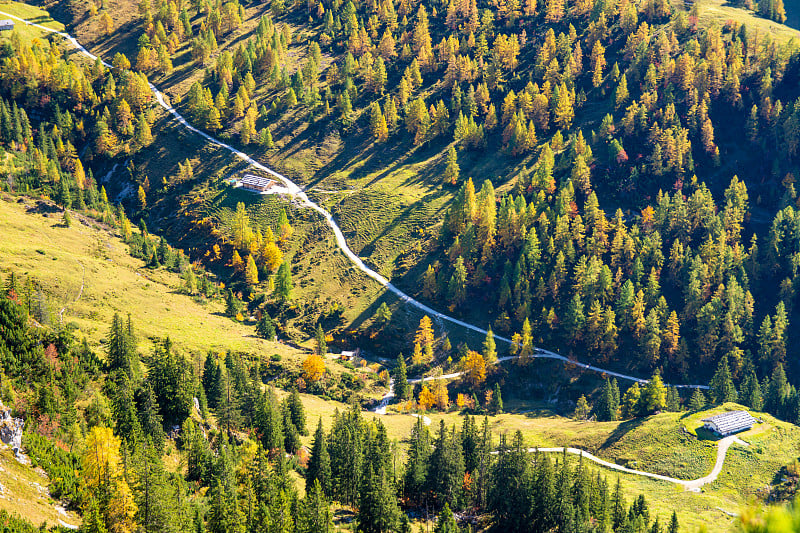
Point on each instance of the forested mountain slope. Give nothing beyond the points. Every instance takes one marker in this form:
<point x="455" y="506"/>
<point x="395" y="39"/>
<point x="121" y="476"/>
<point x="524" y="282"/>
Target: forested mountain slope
<point x="638" y="92"/>
<point x="474" y="152"/>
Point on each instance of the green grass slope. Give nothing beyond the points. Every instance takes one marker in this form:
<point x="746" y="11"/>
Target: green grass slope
<point x="25" y="494"/>
<point x="36" y="243"/>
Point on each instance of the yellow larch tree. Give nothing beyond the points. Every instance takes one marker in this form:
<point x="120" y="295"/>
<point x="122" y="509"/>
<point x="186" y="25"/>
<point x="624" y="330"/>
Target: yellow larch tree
<point x="424" y="338"/>
<point x="426" y="398"/>
<point x="103" y="473"/>
<point x="251" y="271"/>
<point x="79" y="174"/>
<point x="271" y="255"/>
<point x="475" y="368"/>
<point x="313" y="368"/>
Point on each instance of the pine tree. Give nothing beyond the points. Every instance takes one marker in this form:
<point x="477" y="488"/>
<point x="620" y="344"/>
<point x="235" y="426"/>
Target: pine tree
<point x="608" y="405"/>
<point x="79" y="175"/>
<point x="64" y="194"/>
<point x="673" y="523"/>
<point x="104" y="477"/>
<point x="673" y="400"/>
<point x="291" y="435"/>
<point x="698" y="401"/>
<point x="457" y="287"/>
<point x="380" y="130"/>
<point x="266" y="138"/>
<point x="581" y="174"/>
<point x="297" y="412"/>
<point x="143" y="135"/>
<point x="721" y="386"/>
<point x="525" y="343"/>
<point x="149" y="417"/>
<point x="416" y="466"/>
<point x="283" y="282"/>
<point x="777" y="392"/>
<point x="121" y="347"/>
<point x="212" y="380"/>
<point x="564" y="111"/>
<point x="446" y="472"/>
<point x="496" y="405"/>
<point x="383" y="315"/>
<point x="424" y="337"/>
<point x="401" y="387"/>
<point x="315" y="514"/>
<point x="630" y="402"/>
<point x="142" y="198"/>
<point x="446" y="522"/>
<point x="265" y="327"/>
<point x="451" y="171"/>
<point x="520" y="509"/>
<point x="654" y="396"/>
<point x="618" y="515"/>
<point x="228" y="412"/>
<point x="621" y="94"/>
<point x="582" y="409"/>
<point x="320" y="346"/>
<point x="377" y="509"/>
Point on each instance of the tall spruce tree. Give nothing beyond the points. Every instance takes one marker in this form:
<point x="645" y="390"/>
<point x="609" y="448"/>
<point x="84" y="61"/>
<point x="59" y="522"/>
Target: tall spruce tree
<point x="721" y="386"/>
<point x="446" y="471"/>
<point x="608" y="405"/>
<point x="298" y="413"/>
<point x="319" y="464"/>
<point x="121" y="347"/>
<point x="778" y="390"/>
<point x="514" y="510"/>
<point x="496" y="405"/>
<point x="315" y="514"/>
<point x="697" y="401"/>
<point x="283" y="282"/>
<point x="377" y="505"/>
<point x="416" y="467"/>
<point x="320" y="346"/>
<point x="401" y="387"/>
<point x="212" y="380"/>
<point x="446" y="522"/>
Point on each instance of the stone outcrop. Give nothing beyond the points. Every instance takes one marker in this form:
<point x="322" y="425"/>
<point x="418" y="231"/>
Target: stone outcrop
<point x="11" y="430"/>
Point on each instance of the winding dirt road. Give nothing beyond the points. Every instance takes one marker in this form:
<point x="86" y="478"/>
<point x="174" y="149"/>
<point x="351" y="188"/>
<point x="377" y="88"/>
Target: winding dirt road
<point x="300" y="197"/>
<point x="690" y="485"/>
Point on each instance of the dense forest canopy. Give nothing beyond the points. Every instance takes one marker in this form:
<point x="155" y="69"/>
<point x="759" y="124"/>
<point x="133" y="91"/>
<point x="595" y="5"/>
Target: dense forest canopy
<point x="687" y="131"/>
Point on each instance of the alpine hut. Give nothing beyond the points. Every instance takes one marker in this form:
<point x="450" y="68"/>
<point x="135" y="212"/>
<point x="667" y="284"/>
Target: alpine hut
<point x="728" y="423"/>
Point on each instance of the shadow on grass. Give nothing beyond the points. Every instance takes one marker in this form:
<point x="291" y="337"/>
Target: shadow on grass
<point x="704" y="434"/>
<point x="621" y="430"/>
<point x="41" y="19"/>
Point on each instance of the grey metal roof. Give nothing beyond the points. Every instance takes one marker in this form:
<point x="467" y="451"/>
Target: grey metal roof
<point x="6" y="22"/>
<point x="731" y="421"/>
<point x="250" y="180"/>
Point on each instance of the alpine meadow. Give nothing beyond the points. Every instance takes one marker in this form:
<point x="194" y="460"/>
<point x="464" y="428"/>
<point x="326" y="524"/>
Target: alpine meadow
<point x="399" y="266"/>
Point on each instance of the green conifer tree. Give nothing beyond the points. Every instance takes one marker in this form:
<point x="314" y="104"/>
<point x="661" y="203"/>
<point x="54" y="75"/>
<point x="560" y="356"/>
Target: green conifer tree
<point x="401" y="387"/>
<point x="319" y="464"/>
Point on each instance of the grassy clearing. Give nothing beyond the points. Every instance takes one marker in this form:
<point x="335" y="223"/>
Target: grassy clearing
<point x="665" y="443"/>
<point x="37" y="244"/>
<point x="24" y="492"/>
<point x="32" y="13"/>
<point x="721" y="12"/>
<point x="772" y="444"/>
